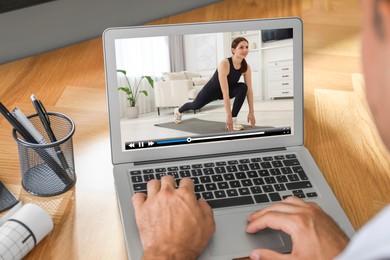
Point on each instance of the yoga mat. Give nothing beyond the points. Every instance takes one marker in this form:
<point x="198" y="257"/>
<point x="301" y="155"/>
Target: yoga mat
<point x="201" y="127"/>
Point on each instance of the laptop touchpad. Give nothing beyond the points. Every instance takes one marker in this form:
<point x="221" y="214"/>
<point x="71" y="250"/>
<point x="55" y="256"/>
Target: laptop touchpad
<point x="230" y="237"/>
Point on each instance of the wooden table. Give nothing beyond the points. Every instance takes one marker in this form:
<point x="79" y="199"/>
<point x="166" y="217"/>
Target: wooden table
<point x="338" y="128"/>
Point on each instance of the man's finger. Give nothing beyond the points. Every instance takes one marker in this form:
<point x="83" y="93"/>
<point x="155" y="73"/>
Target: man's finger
<point x="273" y="220"/>
<point x="167" y="182"/>
<point x="265" y="254"/>
<point x="186" y="183"/>
<point x="138" y="200"/>
<point x="289" y="205"/>
<point x="153" y="187"/>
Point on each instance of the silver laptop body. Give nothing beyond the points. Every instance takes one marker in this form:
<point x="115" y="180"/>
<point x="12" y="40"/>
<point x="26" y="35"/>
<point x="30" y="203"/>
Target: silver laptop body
<point x="276" y="45"/>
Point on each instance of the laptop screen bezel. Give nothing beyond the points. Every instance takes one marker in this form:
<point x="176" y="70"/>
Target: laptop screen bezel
<point x="200" y="149"/>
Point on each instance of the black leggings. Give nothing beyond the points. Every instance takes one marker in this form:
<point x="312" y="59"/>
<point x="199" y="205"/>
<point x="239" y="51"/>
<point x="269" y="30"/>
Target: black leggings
<point x="206" y="95"/>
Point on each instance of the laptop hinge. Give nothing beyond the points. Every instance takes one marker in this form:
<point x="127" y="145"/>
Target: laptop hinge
<point x="186" y="158"/>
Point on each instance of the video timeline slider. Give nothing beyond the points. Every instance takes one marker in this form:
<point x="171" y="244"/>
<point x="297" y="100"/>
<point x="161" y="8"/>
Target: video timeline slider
<point x="199" y="139"/>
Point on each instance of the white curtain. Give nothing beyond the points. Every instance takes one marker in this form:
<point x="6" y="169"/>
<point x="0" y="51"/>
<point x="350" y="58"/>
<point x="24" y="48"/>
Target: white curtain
<point x="147" y="56"/>
<point x="176" y="53"/>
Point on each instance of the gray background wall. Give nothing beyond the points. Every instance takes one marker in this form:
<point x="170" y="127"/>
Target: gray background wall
<point x="59" y="23"/>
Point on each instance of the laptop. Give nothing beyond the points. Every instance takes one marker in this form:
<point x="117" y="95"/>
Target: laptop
<point x="236" y="172"/>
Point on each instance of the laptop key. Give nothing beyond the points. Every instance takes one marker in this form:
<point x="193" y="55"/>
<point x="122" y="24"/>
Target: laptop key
<point x="148" y="177"/>
<point x="292" y="162"/>
<point x="266" y="165"/>
<point x="286" y="170"/>
<point x="232" y="193"/>
<point x="252" y="174"/>
<point x="230" y="202"/>
<point x="263" y="173"/>
<point x="208" y="171"/>
<point x="231" y="168"/>
<point x="274" y="196"/>
<point x="205" y="179"/>
<point x="244" y="191"/>
<point x="211" y="186"/>
<point x="268" y="188"/>
<point x="220" y="194"/>
<point x="135" y="172"/>
<point x="139" y="186"/>
<point x="293" y="177"/>
<point x="220" y="163"/>
<point x="240" y="175"/>
<point x="246" y="183"/>
<point x="223" y="185"/>
<point x="279" y="187"/>
<point x="261" y="198"/>
<point x="256" y="190"/>
<point x="136" y="178"/>
<point x="277" y="164"/>
<point x="196" y="172"/>
<point x="208" y="195"/>
<point x="216" y="178"/>
<point x="234" y="184"/>
<point x="290" y="156"/>
<point x="311" y="194"/>
<point x="229" y="177"/>
<point x="199" y="188"/>
<point x="243" y="167"/>
<point x="232" y="162"/>
<point x="258" y="181"/>
<point x="185" y="173"/>
<point x="220" y="169"/>
<point x="298" y="185"/>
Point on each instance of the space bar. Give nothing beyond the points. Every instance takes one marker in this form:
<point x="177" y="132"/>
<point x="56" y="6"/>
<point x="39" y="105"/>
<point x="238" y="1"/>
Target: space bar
<point x="237" y="201"/>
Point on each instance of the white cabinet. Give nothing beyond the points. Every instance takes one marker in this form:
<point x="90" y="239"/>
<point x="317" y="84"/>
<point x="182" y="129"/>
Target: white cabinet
<point x="278" y="69"/>
<point x="280" y="79"/>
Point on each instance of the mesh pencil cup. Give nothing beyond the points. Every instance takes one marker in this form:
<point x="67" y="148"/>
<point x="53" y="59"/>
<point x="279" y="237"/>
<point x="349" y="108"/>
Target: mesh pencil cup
<point x="48" y="168"/>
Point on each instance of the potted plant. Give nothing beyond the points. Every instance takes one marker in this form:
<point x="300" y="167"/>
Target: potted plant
<point x="132" y="93"/>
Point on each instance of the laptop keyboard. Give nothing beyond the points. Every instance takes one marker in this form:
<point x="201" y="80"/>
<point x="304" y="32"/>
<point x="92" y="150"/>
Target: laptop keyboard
<point x="237" y="182"/>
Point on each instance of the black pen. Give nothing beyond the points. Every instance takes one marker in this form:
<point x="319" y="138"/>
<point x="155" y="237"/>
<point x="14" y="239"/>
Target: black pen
<point x="15" y="123"/>
<point x="42" y="113"/>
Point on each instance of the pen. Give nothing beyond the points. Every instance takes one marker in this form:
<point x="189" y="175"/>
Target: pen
<point x="41" y="111"/>
<point x="25" y="122"/>
<point x="15" y="123"/>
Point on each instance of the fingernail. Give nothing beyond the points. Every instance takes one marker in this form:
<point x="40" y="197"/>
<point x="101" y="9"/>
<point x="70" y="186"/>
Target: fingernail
<point x="255" y="256"/>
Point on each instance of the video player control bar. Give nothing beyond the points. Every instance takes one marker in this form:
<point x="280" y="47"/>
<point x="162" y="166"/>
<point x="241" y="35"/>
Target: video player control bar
<point x="201" y="139"/>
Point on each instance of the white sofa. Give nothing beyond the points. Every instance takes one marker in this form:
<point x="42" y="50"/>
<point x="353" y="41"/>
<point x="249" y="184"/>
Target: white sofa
<point x="177" y="88"/>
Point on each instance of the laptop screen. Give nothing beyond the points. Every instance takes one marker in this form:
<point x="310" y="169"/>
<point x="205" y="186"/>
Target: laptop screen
<point x="165" y="85"/>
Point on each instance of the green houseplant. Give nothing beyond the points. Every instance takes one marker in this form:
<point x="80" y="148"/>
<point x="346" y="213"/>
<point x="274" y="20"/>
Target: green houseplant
<point x="133" y="92"/>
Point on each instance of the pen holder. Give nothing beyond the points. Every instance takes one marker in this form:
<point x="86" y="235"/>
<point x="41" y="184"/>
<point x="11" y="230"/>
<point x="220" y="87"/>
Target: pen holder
<point x="48" y="168"/>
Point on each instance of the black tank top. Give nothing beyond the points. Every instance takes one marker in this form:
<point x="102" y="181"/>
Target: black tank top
<point x="233" y="77"/>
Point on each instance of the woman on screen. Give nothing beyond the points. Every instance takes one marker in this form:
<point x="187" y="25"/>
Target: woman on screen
<point x="224" y="85"/>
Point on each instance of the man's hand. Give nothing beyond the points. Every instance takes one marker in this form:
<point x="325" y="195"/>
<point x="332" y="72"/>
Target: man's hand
<point x="314" y="234"/>
<point x="171" y="222"/>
